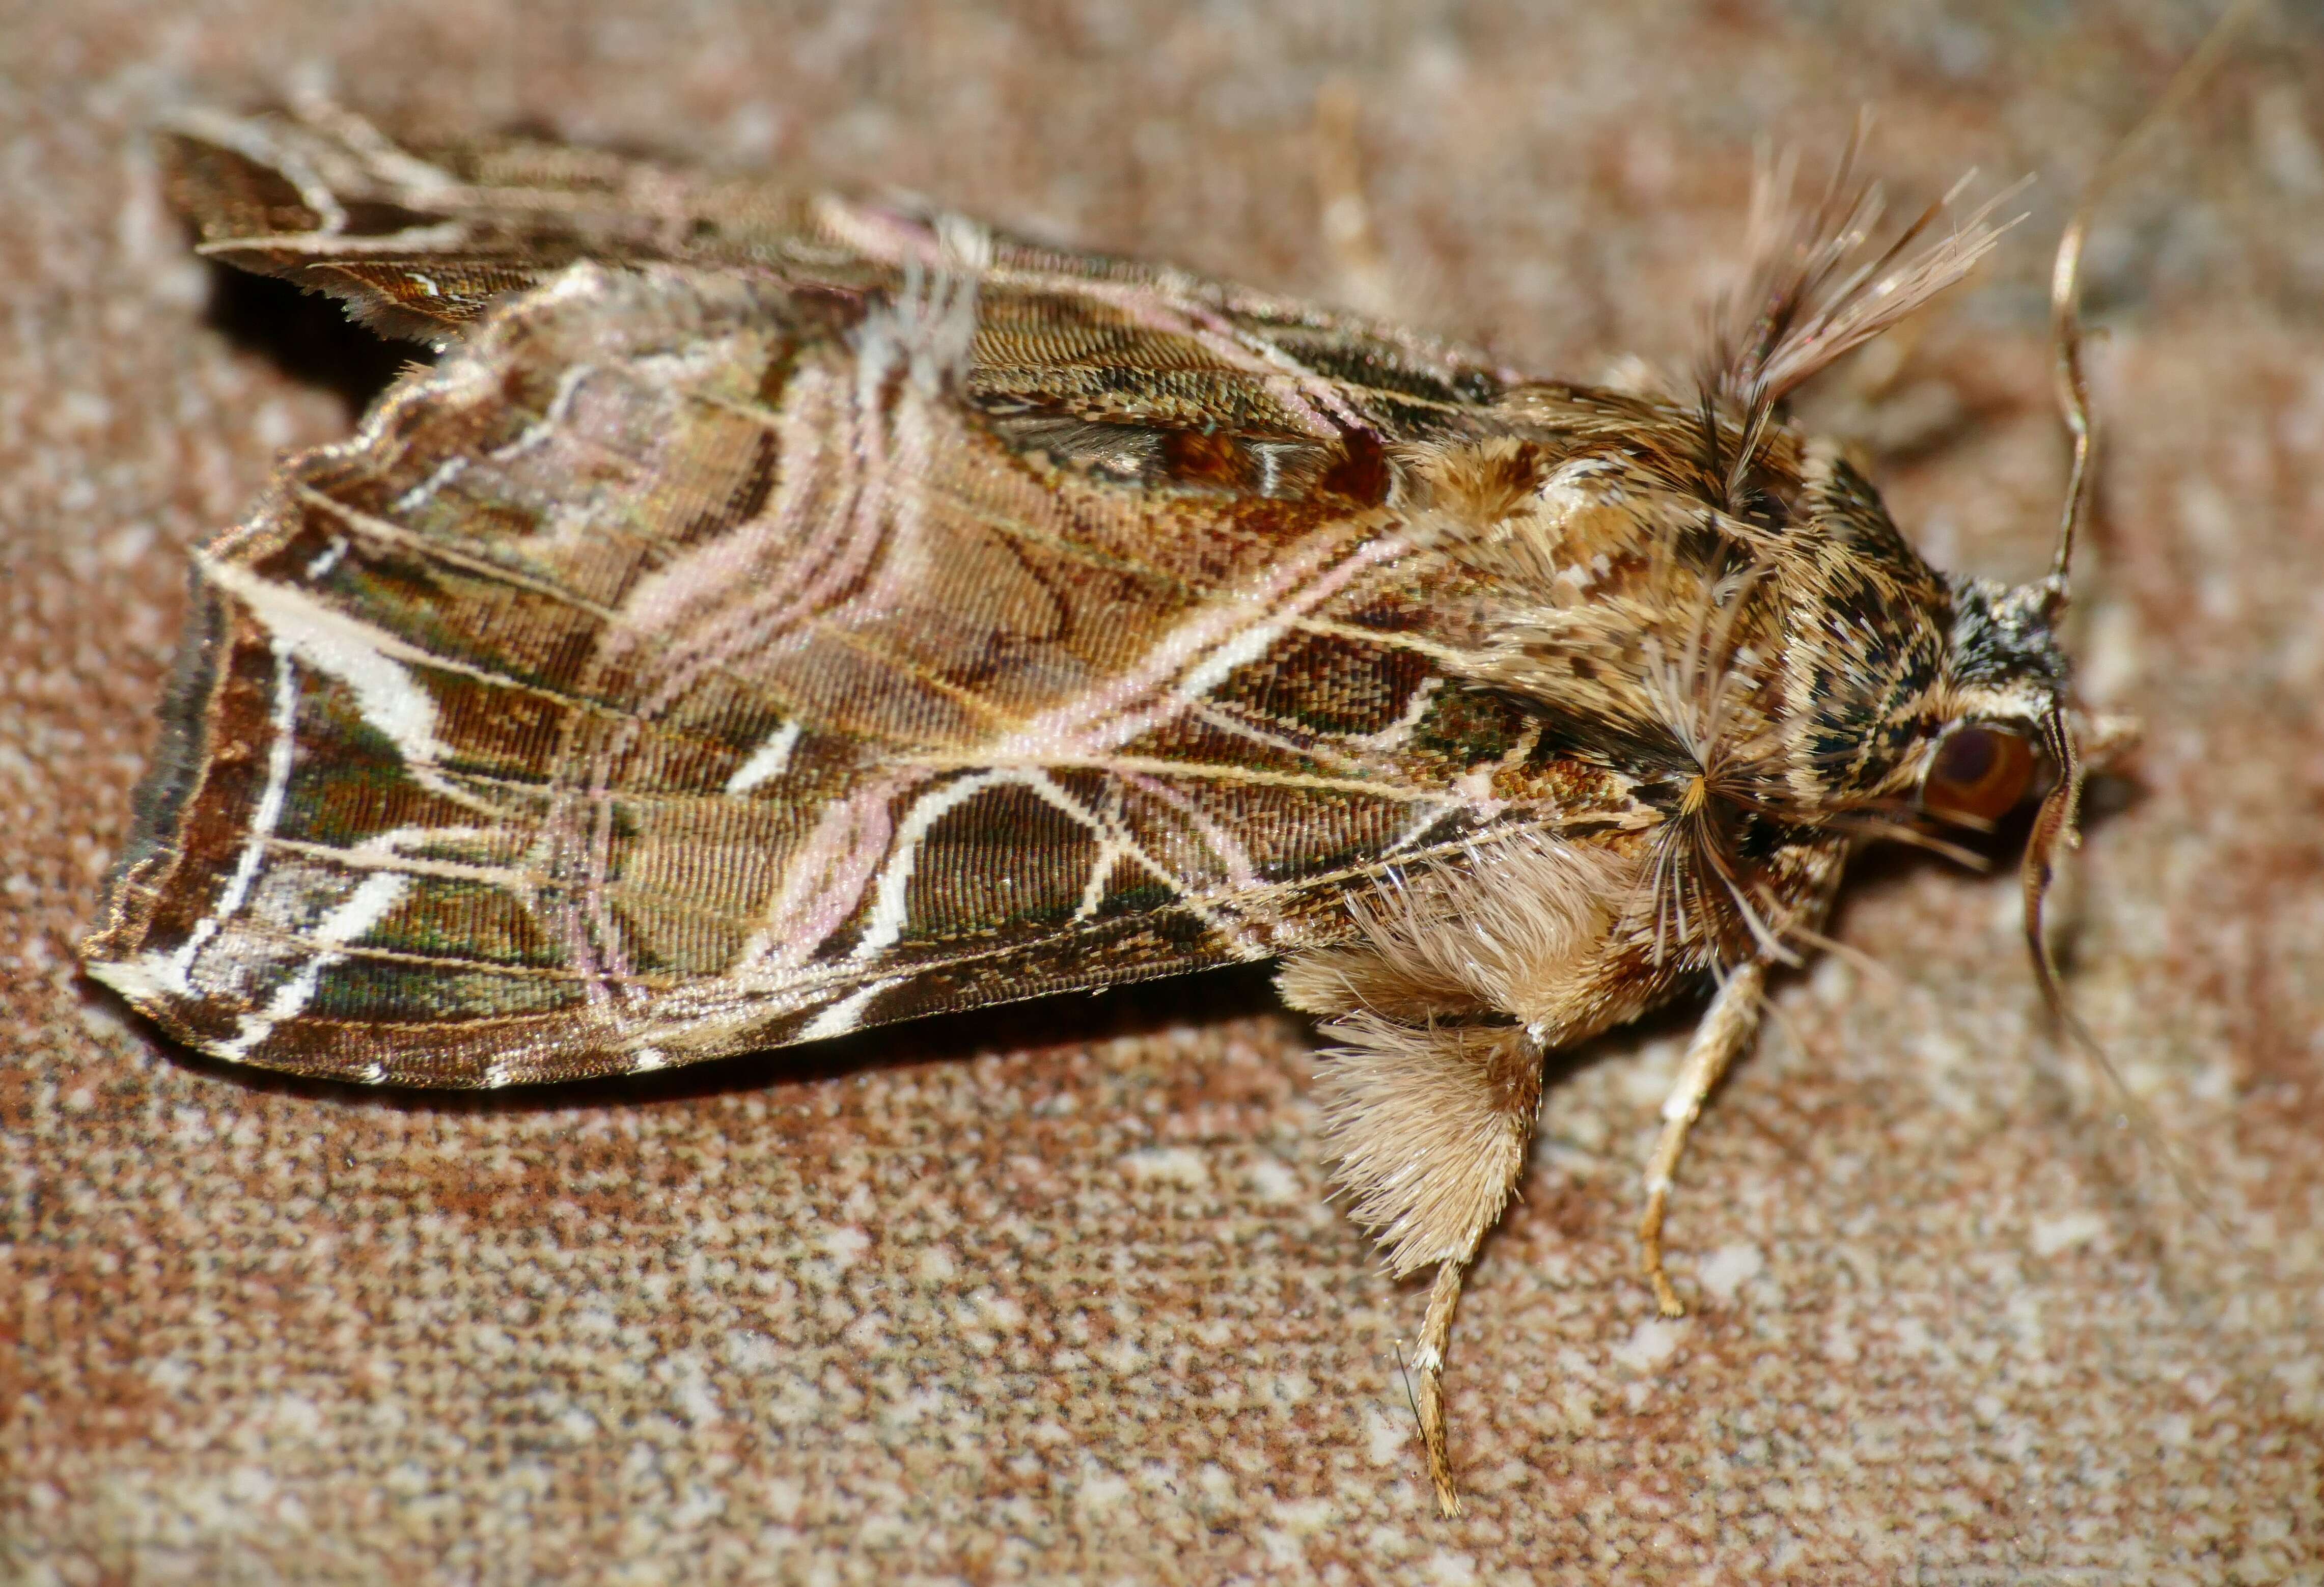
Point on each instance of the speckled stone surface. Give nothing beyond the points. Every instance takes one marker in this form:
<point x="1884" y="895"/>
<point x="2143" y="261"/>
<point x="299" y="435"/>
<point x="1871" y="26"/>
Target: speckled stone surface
<point x="1052" y="1293"/>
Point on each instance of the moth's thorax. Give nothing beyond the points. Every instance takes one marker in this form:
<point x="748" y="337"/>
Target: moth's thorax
<point x="1764" y="677"/>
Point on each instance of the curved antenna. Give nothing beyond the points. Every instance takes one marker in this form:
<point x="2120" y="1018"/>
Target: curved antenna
<point x="2066" y="276"/>
<point x="2054" y="831"/>
<point x="2056" y="824"/>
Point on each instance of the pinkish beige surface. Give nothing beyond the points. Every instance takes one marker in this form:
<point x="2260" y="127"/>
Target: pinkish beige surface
<point x="1050" y="1295"/>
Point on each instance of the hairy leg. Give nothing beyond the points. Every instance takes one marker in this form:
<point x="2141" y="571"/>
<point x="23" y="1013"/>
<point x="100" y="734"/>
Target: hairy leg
<point x="1727" y="1028"/>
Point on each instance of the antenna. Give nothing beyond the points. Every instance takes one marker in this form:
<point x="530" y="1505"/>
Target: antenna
<point x="2056" y="822"/>
<point x="2066" y="278"/>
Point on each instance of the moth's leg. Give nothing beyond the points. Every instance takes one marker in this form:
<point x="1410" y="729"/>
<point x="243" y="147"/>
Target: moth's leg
<point x="1440" y="1015"/>
<point x="1428" y="1360"/>
<point x="1429" y="1127"/>
<point x="1727" y="1028"/>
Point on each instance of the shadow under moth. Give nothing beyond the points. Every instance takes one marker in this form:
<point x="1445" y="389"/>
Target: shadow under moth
<point x="775" y="616"/>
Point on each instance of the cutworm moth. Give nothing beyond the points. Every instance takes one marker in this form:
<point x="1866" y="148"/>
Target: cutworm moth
<point x="776" y="615"/>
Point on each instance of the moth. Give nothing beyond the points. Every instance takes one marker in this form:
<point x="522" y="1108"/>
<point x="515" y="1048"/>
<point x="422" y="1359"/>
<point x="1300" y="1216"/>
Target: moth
<point x="778" y="614"/>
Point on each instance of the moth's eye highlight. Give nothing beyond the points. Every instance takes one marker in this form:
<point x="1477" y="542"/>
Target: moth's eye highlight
<point x="1980" y="772"/>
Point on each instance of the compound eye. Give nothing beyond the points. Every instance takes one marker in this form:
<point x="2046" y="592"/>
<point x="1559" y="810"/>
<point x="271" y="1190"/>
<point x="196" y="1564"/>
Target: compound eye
<point x="1980" y="773"/>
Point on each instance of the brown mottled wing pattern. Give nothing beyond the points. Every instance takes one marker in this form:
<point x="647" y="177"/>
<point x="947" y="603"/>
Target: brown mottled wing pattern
<point x="703" y="660"/>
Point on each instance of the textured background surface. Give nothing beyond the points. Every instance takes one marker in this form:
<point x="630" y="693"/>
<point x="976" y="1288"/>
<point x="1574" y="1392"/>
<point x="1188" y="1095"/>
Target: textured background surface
<point x="1051" y="1293"/>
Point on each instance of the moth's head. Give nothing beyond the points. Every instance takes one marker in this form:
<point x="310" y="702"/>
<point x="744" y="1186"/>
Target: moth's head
<point x="2007" y="714"/>
<point x="2006" y="703"/>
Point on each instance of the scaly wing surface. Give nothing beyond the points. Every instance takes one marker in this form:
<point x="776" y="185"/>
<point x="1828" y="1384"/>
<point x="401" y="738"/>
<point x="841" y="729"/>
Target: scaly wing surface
<point x="702" y="659"/>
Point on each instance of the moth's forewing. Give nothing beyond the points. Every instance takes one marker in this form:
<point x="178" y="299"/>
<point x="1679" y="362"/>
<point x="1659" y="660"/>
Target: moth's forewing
<point x="697" y="661"/>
